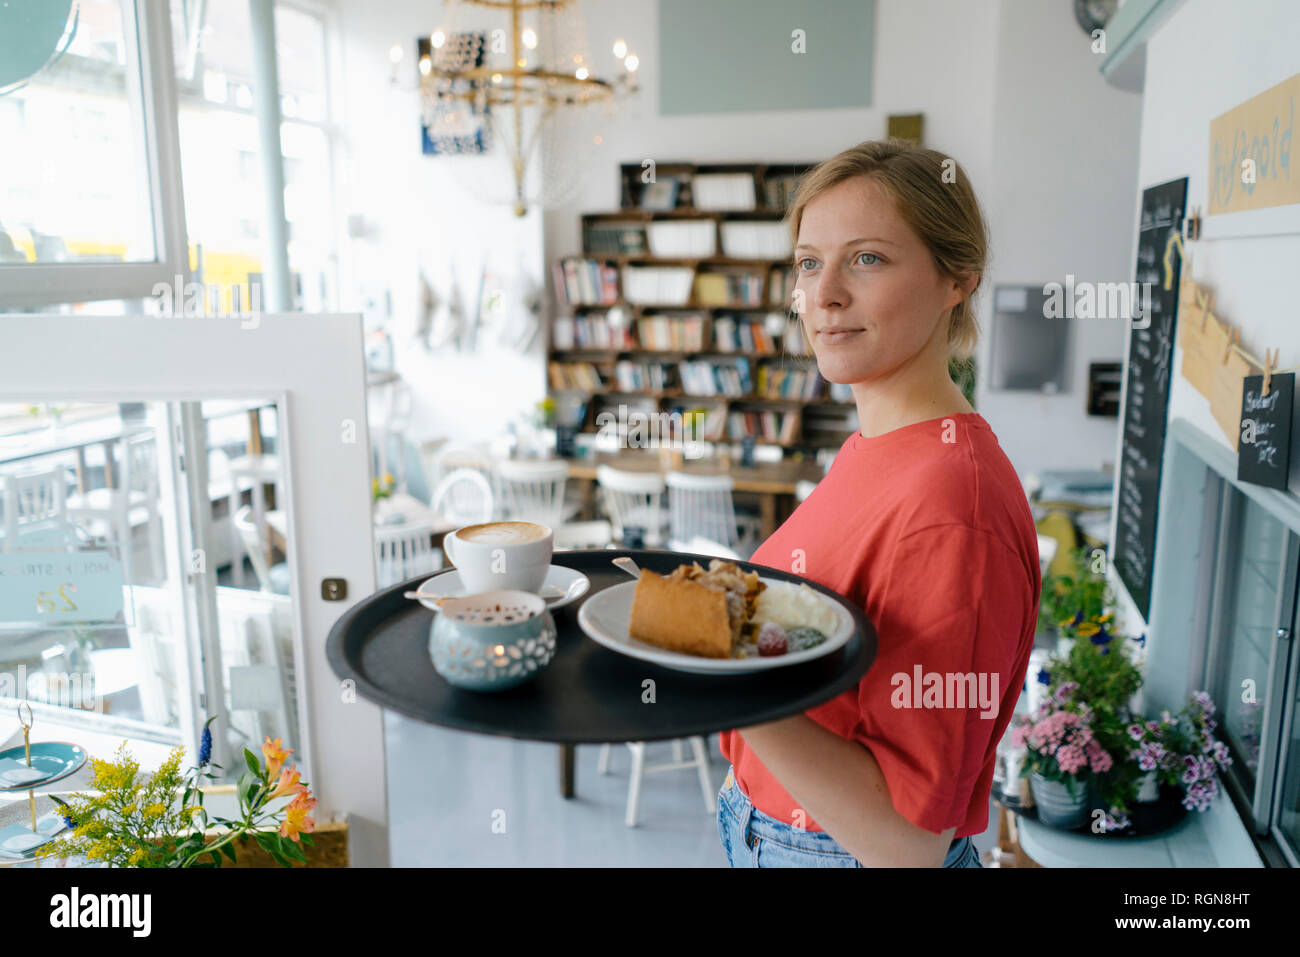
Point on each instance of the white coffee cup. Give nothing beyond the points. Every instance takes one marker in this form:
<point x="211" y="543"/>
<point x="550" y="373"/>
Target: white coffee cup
<point x="492" y="556"/>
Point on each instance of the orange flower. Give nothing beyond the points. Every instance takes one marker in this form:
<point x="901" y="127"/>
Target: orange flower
<point x="275" y="754"/>
<point x="287" y="784"/>
<point x="296" y="820"/>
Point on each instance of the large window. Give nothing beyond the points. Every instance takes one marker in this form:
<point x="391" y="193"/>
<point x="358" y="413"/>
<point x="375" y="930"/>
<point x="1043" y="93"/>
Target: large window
<point x="223" y="161"/>
<point x="1250" y="668"/>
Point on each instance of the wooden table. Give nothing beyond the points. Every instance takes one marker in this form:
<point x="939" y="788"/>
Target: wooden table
<point x="773" y="482"/>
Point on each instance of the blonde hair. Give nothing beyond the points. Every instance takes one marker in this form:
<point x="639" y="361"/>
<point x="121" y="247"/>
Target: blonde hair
<point x="934" y="197"/>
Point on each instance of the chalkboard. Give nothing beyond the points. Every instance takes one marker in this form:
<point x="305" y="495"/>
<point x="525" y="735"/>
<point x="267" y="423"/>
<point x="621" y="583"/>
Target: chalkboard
<point x="1146" y="393"/>
<point x="1264" y="452"/>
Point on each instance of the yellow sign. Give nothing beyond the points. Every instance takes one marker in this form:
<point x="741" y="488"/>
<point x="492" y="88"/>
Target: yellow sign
<point x="1250" y="152"/>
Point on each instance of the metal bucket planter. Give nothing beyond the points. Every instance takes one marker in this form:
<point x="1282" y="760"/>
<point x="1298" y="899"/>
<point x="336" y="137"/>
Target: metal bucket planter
<point x="1057" y="807"/>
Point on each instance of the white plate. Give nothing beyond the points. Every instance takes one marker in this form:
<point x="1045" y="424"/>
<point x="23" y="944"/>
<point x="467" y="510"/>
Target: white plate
<point x="562" y="586"/>
<point x="606" y="614"/>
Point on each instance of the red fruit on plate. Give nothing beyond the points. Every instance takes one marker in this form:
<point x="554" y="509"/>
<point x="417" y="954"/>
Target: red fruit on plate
<point x="771" y="640"/>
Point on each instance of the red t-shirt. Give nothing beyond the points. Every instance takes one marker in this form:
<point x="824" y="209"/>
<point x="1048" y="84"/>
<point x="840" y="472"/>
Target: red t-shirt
<point x="927" y="529"/>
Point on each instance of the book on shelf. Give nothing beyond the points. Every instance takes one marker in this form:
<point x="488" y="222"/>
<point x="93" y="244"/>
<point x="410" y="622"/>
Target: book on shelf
<point x="727" y="288"/>
<point x="724" y="191"/>
<point x="779" y="190"/>
<point x="611" y="238"/>
<point x="642" y="376"/>
<point x="657" y="284"/>
<point x="672" y="333"/>
<point x="780" y="286"/>
<point x="742" y="239"/>
<point x="585" y="282"/>
<point x="768" y="426"/>
<point x="710" y="426"/>
<point x="574" y="376"/>
<point x="748" y="336"/>
<point x="715" y="377"/>
<point x="591" y="332"/>
<point x="777" y="382"/>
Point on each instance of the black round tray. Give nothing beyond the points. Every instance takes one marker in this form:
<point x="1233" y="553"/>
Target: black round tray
<point x="1145" y="820"/>
<point x="587" y="694"/>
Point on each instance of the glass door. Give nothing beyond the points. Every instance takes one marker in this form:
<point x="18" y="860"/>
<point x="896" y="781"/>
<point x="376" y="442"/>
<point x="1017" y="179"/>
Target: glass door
<point x="180" y="549"/>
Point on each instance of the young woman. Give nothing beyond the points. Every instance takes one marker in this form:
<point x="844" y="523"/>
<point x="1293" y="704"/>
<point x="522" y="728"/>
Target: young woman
<point x="921" y="521"/>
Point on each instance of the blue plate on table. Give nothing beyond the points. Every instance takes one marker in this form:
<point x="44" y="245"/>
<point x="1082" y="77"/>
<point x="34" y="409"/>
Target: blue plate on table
<point x="57" y="759"/>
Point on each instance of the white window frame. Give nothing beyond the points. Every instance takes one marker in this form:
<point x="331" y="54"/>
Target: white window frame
<point x="147" y="29"/>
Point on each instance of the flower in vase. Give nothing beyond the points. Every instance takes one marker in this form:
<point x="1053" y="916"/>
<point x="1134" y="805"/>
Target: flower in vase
<point x="289" y="783"/>
<point x="275" y="753"/>
<point x="296" y="820"/>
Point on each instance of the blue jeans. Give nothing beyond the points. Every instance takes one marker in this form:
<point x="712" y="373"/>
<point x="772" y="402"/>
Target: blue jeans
<point x="754" y="839"/>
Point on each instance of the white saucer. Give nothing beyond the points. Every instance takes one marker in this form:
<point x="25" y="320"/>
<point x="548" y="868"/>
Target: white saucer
<point x="562" y="586"/>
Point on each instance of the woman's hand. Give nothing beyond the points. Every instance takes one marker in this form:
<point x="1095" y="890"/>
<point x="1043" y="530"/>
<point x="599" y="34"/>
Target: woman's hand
<point x="842" y="789"/>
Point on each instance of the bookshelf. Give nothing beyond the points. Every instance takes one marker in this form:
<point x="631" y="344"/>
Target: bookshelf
<point x="686" y="306"/>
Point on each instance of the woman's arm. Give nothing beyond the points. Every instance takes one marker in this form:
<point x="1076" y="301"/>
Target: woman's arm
<point x="842" y="788"/>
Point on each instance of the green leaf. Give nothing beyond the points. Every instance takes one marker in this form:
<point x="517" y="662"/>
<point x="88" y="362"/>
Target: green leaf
<point x="290" y="848"/>
<point x="306" y="838"/>
<point x="216" y="858"/>
<point x="229" y="851"/>
<point x="264" y="841"/>
<point x="254" y="765"/>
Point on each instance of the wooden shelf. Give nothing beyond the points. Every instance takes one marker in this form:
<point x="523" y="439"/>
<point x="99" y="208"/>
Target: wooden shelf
<point x="767" y="270"/>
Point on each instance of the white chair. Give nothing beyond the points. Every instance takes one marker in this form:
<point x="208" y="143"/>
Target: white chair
<point x="463" y="496"/>
<point x="700" y="545"/>
<point x="136" y="497"/>
<point x="388" y="409"/>
<point x="701" y="505"/>
<point x="452" y="456"/>
<point x="36" y="499"/>
<point x="532" y="491"/>
<point x="699" y="762"/>
<point x="633" y="499"/>
<point x="404" y="551"/>
<point x="271" y="578"/>
<point x="254" y="472"/>
<point x="593" y="534"/>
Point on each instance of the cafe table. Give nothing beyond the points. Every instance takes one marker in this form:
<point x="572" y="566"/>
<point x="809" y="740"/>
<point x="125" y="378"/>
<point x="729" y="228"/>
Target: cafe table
<point x="773" y="482"/>
<point x="588" y="694"/>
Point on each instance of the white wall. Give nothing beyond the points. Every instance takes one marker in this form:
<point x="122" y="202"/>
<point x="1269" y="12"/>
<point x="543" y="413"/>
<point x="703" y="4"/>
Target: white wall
<point x="1061" y="203"/>
<point x="1197" y="68"/>
<point x="420" y="216"/>
<point x="1008" y="87"/>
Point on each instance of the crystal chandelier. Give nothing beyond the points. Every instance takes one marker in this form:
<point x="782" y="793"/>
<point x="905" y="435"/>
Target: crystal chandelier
<point x="514" y="79"/>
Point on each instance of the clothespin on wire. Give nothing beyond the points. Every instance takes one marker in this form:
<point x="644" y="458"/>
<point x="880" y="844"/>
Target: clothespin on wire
<point x="1205" y="310"/>
<point x="1270" y="363"/>
<point x="1234" y="338"/>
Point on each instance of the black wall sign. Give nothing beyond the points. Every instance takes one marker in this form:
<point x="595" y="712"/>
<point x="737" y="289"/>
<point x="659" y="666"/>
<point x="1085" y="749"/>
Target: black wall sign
<point x="1146" y="393"/>
<point x="1264" y="446"/>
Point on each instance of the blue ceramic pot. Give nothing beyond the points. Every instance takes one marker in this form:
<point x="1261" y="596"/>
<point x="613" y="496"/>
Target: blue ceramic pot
<point x="492" y="641"/>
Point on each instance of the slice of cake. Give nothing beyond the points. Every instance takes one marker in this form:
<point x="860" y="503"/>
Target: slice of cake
<point x="694" y="611"/>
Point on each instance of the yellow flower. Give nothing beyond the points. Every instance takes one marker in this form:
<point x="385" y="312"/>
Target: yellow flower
<point x="388" y="478"/>
<point x="275" y="753"/>
<point x="138" y="855"/>
<point x="155" y="810"/>
<point x="296" y="819"/>
<point x="288" y="784"/>
<point x="128" y="808"/>
<point x="1088" y="628"/>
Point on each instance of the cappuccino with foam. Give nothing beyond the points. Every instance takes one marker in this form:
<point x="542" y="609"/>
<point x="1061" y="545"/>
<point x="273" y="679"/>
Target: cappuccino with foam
<point x="502" y="533"/>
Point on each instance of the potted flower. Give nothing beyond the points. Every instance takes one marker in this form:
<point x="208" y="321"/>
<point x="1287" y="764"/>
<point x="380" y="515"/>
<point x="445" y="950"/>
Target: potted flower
<point x="1180" y="750"/>
<point x="160" y="820"/>
<point x="1081" y="595"/>
<point x="1063" y="756"/>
